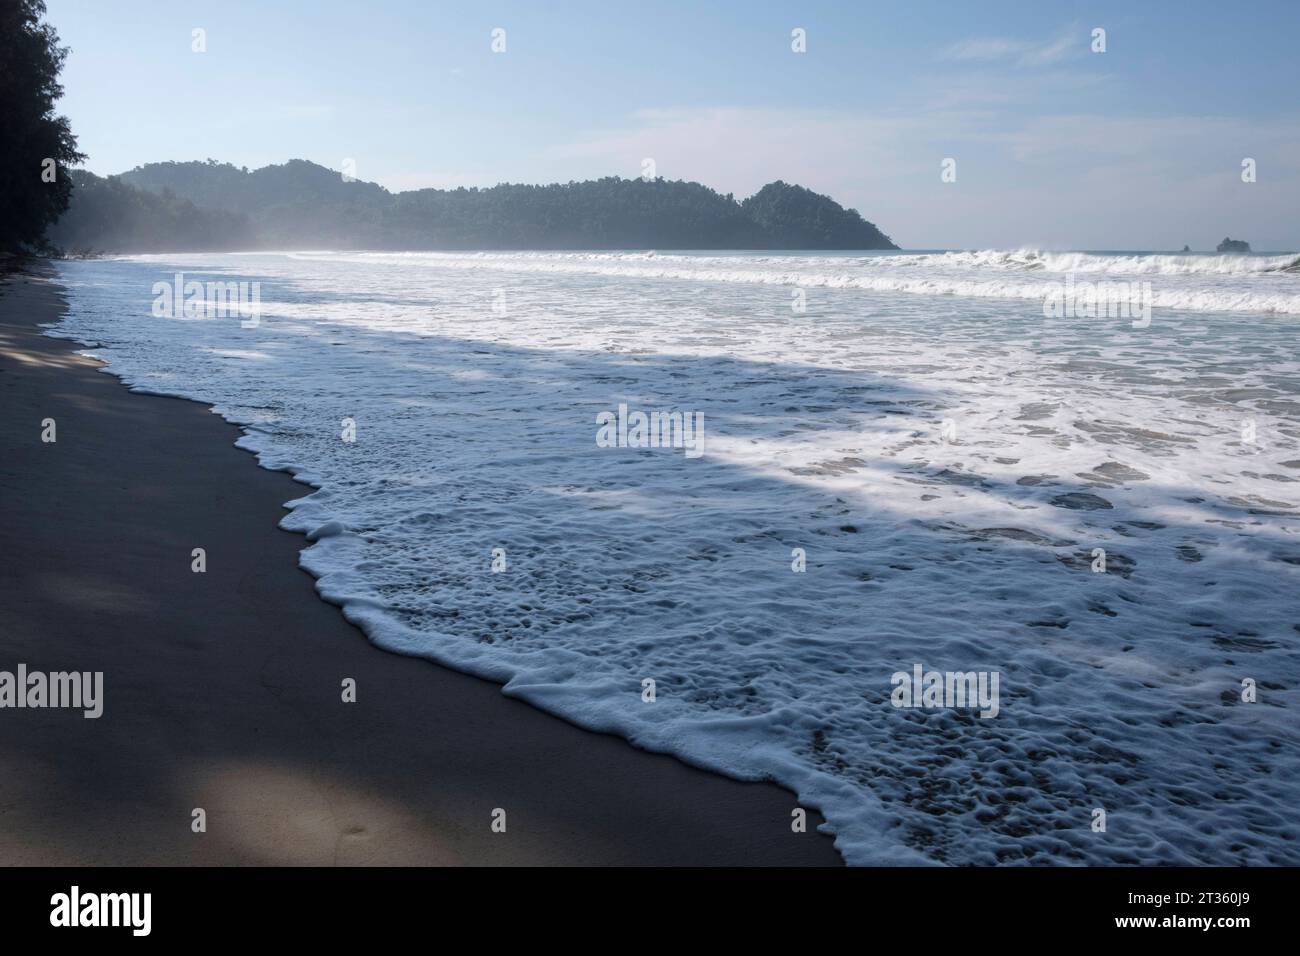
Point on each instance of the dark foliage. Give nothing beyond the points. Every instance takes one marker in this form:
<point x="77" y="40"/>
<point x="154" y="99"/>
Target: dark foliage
<point x="802" y="219"/>
<point x="33" y="190"/>
<point x="303" y="205"/>
<point x="107" y="215"/>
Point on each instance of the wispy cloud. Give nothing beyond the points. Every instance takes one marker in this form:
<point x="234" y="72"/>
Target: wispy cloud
<point x="1017" y="51"/>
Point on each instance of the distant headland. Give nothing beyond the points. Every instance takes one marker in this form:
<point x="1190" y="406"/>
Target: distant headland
<point x="1233" y="245"/>
<point x="211" y="206"/>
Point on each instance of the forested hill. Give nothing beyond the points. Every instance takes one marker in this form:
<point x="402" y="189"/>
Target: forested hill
<point x="303" y="205"/>
<point x="108" y="215"/>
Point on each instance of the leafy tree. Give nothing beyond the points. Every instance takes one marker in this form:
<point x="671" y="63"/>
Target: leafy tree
<point x="36" y="146"/>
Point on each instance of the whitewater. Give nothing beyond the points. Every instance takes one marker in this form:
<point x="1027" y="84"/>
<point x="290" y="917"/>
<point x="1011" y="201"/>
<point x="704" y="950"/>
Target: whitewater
<point x="906" y="463"/>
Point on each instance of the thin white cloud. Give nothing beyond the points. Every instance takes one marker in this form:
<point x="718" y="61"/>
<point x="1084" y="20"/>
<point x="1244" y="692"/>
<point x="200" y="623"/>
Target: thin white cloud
<point x="1019" y="52"/>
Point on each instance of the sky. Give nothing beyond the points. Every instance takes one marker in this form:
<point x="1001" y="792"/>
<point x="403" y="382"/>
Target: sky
<point x="1055" y="145"/>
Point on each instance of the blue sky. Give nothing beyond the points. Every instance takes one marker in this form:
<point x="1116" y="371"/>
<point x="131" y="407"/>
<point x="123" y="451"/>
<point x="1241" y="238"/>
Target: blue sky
<point x="1055" y="146"/>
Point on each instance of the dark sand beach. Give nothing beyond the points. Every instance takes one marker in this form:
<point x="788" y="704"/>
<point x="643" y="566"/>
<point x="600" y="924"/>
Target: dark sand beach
<point x="222" y="689"/>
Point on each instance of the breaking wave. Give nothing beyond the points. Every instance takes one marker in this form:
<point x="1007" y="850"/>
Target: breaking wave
<point x="1237" y="284"/>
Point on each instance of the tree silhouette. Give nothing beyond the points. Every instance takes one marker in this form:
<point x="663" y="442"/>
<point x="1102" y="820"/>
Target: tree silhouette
<point x="302" y="205"/>
<point x="36" y="146"/>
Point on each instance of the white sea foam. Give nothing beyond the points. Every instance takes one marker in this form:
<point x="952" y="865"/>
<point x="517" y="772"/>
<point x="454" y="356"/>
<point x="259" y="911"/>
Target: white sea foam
<point x="948" y="465"/>
<point x="1255" y="284"/>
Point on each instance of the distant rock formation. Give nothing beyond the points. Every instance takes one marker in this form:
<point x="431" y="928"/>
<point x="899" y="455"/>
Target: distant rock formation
<point x="1233" y="245"/>
<point x="1187" y="248"/>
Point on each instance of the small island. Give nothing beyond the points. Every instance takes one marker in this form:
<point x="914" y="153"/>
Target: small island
<point x="1233" y="245"/>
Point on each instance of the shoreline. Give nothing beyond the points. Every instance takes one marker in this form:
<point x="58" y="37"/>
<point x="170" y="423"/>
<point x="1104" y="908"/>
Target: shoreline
<point x="222" y="689"/>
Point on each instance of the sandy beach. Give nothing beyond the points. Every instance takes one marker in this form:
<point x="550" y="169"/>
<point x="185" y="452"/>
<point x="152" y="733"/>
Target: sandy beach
<point x="222" y="690"/>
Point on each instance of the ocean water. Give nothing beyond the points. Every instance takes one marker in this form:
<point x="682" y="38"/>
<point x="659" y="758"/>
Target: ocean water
<point x="947" y="459"/>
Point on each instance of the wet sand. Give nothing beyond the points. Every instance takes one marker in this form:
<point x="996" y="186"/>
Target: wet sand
<point x="222" y="690"/>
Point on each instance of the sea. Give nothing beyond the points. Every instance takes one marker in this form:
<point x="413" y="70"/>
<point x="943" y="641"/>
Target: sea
<point x="772" y="513"/>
